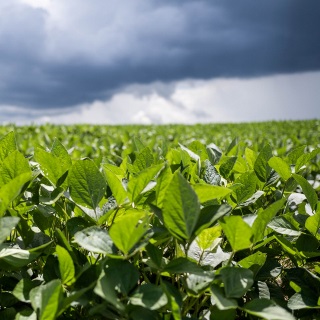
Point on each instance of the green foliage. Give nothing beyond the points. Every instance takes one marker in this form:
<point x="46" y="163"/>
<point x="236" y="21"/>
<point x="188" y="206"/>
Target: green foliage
<point x="149" y="223"/>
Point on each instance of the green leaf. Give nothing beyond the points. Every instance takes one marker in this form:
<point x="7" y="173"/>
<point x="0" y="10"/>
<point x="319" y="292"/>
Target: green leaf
<point x="307" y="189"/>
<point x="281" y="167"/>
<point x="129" y="229"/>
<point x="247" y="186"/>
<point x="52" y="167"/>
<point x="6" y="226"/>
<point x="66" y="266"/>
<point x="181" y="208"/>
<point x="163" y="182"/>
<point x="206" y="238"/>
<point x="11" y="190"/>
<point x="7" y="145"/>
<point x="149" y="296"/>
<point x="237" y="281"/>
<point x="313" y="224"/>
<point x="305" y="158"/>
<point x="267" y="309"/>
<point x="183" y="265"/>
<point x="15" y="257"/>
<point x="23" y="288"/>
<point x="227" y="166"/>
<point x="94" y="239"/>
<point x="261" y="166"/>
<point x="254" y="262"/>
<point x="115" y="184"/>
<point x="221" y="301"/>
<point x="45" y="299"/>
<point x="303" y="300"/>
<point x="59" y="151"/>
<point x="238" y="233"/>
<point x="87" y="185"/>
<point x="263" y="218"/>
<point x="283" y="226"/>
<point x="13" y="165"/>
<point x="138" y="183"/>
<point x="206" y="192"/>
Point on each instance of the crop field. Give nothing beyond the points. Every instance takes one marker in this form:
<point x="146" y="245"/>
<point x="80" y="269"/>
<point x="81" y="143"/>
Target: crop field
<point x="210" y="222"/>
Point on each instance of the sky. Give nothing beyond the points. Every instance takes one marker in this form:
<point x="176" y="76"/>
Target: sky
<point x="150" y="61"/>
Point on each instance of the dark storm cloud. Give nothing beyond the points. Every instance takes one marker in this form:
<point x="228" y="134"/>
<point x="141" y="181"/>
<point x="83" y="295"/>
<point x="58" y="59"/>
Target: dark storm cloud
<point x="89" y="51"/>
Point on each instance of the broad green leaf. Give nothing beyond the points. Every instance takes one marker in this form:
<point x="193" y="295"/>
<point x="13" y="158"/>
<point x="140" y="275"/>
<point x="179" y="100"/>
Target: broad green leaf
<point x="281" y="167"/>
<point x="51" y="166"/>
<point x="94" y="239"/>
<point x="106" y="290"/>
<point x="303" y="300"/>
<point x="12" y="166"/>
<point x="283" y="226"/>
<point x="237" y="281"/>
<point x="59" y="151"/>
<point x="7" y="145"/>
<point x="144" y="159"/>
<point x="263" y="218"/>
<point x="181" y="208"/>
<point x="87" y="184"/>
<point x="23" y="288"/>
<point x="11" y="190"/>
<point x="313" y="224"/>
<point x="149" y="296"/>
<point x="206" y="238"/>
<point x="254" y="262"/>
<point x="305" y="158"/>
<point x="267" y="309"/>
<point x="261" y="166"/>
<point x="122" y="274"/>
<point x="196" y="284"/>
<point x="295" y="153"/>
<point x="227" y="166"/>
<point x="206" y="192"/>
<point x="45" y="299"/>
<point x="6" y="226"/>
<point x="15" y="257"/>
<point x="138" y="183"/>
<point x="183" y="265"/>
<point x="220" y="299"/>
<point x="129" y="229"/>
<point x="251" y="157"/>
<point x="66" y="266"/>
<point x="163" y="182"/>
<point x="247" y="187"/>
<point x="307" y="189"/>
<point x="238" y="233"/>
<point x="115" y="184"/>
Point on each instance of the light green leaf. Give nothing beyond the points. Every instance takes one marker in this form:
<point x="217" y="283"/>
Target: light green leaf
<point x="307" y="189"/>
<point x="94" y="239"/>
<point x="11" y="190"/>
<point x="263" y="218"/>
<point x="247" y="186"/>
<point x="267" y="309"/>
<point x="7" y="145"/>
<point x="237" y="281"/>
<point x="137" y="184"/>
<point x="181" y="208"/>
<point x="254" y="262"/>
<point x="66" y="266"/>
<point x="313" y="224"/>
<point x="46" y="298"/>
<point x="6" y="226"/>
<point x="129" y="229"/>
<point x="23" y="288"/>
<point x="206" y="192"/>
<point x="238" y="232"/>
<point x="261" y="166"/>
<point x="12" y="166"/>
<point x="281" y="167"/>
<point x="305" y="158"/>
<point x="206" y="238"/>
<point x="149" y="296"/>
<point x="87" y="184"/>
<point x="115" y="184"/>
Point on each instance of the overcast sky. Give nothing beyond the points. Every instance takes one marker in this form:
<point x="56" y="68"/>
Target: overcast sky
<point x="150" y="61"/>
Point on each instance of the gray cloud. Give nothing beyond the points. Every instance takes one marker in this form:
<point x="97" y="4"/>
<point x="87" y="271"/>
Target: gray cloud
<point x="76" y="52"/>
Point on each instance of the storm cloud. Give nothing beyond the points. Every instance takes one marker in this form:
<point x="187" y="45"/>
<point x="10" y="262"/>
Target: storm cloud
<point x="58" y="54"/>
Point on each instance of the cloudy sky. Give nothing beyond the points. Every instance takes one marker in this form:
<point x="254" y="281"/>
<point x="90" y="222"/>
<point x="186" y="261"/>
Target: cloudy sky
<point x="151" y="61"/>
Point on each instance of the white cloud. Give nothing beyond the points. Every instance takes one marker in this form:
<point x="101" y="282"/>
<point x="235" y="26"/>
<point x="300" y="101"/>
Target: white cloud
<point x="226" y="100"/>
